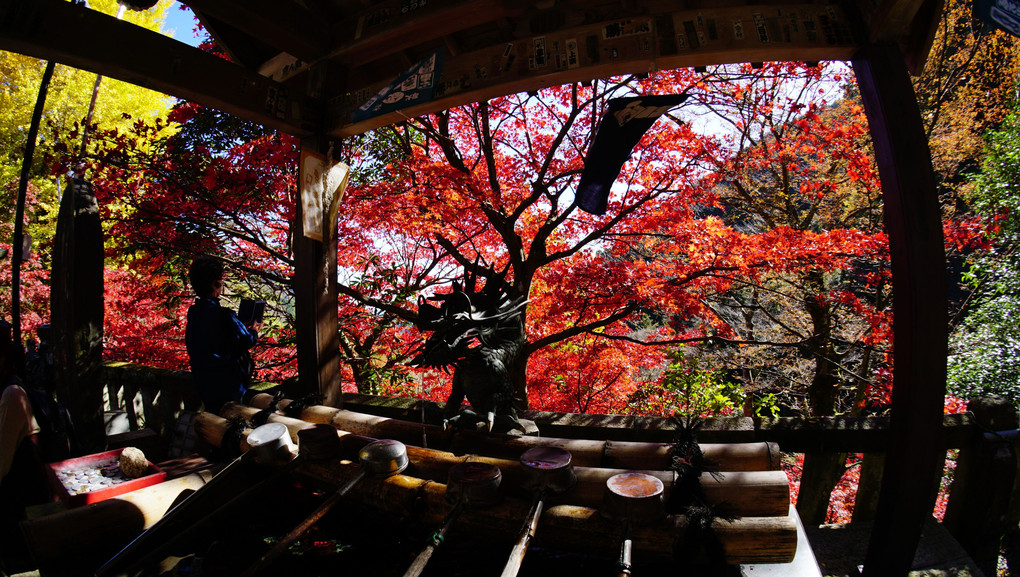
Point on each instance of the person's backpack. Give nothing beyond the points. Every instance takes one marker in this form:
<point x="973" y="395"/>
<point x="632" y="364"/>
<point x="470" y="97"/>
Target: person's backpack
<point x="241" y="356"/>
<point x="56" y="430"/>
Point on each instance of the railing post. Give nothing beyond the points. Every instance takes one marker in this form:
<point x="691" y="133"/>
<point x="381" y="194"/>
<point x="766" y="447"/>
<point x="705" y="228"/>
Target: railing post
<point x="983" y="483"/>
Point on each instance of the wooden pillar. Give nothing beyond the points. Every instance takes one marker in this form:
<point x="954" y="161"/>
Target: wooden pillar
<point x="76" y="310"/>
<point x="315" y="295"/>
<point x="913" y="223"/>
<point x="978" y="505"/>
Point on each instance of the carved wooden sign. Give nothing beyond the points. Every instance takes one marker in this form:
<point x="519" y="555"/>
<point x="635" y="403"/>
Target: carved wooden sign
<point x="322" y="189"/>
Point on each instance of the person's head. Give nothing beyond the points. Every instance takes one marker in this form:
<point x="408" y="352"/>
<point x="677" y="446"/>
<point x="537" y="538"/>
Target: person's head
<point x="206" y="276"/>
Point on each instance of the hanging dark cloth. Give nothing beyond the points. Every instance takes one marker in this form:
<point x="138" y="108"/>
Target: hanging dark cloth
<point x="622" y="126"/>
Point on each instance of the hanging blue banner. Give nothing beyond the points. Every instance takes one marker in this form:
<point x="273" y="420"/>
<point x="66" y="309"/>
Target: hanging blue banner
<point x="415" y="86"/>
<point x="624" y="123"/>
<point x="1003" y="14"/>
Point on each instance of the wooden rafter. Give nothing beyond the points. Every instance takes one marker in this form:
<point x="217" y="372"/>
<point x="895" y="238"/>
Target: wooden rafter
<point x="288" y="27"/>
<point x="80" y="37"/>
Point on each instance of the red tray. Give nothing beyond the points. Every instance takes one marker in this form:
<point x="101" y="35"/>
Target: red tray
<point x="154" y="476"/>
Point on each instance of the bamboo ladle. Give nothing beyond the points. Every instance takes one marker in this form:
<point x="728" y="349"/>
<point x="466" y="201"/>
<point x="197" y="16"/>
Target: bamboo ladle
<point x="468" y="484"/>
<point x="634" y="499"/>
<point x="379" y="459"/>
<point x="549" y="472"/>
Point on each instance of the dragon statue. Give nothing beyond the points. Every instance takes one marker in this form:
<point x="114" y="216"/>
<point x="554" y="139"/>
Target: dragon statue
<point x="479" y="332"/>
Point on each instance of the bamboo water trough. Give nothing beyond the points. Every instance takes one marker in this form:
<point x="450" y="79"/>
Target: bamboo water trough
<point x="749" y="484"/>
<point x="586" y="453"/>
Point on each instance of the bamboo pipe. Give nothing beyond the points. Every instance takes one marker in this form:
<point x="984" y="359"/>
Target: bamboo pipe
<point x="587" y="453"/>
<point x="266" y="448"/>
<point x="746" y="493"/>
<point x="87" y="536"/>
<point x="745" y="540"/>
<point x="170" y="541"/>
<point x="181" y="515"/>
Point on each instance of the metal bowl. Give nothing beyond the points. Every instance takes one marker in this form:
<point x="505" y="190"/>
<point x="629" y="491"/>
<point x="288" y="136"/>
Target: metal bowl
<point x="271" y="442"/>
<point x="548" y="468"/>
<point x="475" y="484"/>
<point x="383" y="458"/>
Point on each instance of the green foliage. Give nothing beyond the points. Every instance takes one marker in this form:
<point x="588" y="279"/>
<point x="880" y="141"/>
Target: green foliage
<point x="687" y="388"/>
<point x="985" y="348"/>
<point x="118" y="106"/>
<point x="375" y="153"/>
<point x="985" y="351"/>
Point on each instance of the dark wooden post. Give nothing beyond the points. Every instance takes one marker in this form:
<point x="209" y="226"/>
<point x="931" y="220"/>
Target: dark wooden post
<point x="76" y="309"/>
<point x="983" y="484"/>
<point x="315" y="294"/>
<point x="914" y="225"/>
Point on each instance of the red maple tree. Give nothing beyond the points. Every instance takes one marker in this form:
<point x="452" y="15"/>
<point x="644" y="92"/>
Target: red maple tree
<point x="704" y="226"/>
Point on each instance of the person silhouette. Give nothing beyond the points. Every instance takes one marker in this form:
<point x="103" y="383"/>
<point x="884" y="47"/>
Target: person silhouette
<point x="218" y="342"/>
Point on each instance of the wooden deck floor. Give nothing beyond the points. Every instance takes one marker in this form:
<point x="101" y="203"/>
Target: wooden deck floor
<point x="840" y="551"/>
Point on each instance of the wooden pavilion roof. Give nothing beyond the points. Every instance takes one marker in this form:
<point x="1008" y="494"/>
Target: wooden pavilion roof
<point x="304" y="66"/>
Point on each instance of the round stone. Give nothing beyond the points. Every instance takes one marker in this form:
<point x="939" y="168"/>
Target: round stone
<point x="133" y="462"/>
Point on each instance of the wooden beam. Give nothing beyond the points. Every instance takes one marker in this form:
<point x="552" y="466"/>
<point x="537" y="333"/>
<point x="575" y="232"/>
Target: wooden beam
<point x="891" y="20"/>
<point x="390" y="26"/>
<point x="914" y="225"/>
<point x="921" y="35"/>
<point x="635" y="44"/>
<point x="283" y="25"/>
<point x="909" y="23"/>
<point x="79" y="37"/>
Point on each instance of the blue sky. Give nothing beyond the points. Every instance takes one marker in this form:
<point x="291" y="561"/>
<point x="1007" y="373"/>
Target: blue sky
<point x="181" y="22"/>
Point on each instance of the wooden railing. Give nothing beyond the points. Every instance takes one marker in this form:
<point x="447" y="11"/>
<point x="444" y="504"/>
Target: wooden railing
<point x="984" y="498"/>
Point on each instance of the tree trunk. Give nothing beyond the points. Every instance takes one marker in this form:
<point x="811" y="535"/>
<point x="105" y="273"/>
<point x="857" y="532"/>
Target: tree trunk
<point x="821" y="470"/>
<point x="363" y="377"/>
<point x="821" y="473"/>
<point x="76" y="305"/>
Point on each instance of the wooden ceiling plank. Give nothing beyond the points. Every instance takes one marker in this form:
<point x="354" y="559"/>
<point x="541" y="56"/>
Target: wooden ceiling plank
<point x="923" y="28"/>
<point x="890" y="20"/>
<point x="451" y="46"/>
<point x="690" y="38"/>
<point x="284" y="25"/>
<point x="385" y="28"/>
<point x="83" y="38"/>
